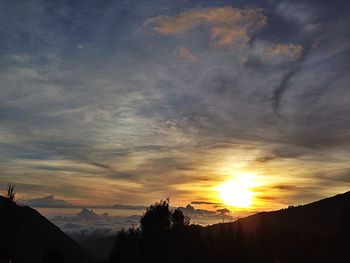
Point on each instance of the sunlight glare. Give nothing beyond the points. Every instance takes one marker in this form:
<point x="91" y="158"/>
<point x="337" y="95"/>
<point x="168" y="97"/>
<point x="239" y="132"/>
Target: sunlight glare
<point x="237" y="192"/>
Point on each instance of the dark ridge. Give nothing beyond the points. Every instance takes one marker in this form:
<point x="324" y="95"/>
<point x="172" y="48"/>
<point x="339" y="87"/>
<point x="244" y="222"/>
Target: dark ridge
<point x="322" y="215"/>
<point x="27" y="236"/>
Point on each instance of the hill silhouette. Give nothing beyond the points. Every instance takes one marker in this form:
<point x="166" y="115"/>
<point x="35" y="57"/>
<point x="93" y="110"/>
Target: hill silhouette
<point x="316" y="232"/>
<point x="28" y="237"/>
<point x="320" y="217"/>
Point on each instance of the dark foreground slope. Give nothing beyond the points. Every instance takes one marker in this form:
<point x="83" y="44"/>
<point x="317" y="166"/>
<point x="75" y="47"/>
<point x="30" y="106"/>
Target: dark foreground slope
<point x="26" y="236"/>
<point x="99" y="248"/>
<point x="317" y="232"/>
<point x="325" y="217"/>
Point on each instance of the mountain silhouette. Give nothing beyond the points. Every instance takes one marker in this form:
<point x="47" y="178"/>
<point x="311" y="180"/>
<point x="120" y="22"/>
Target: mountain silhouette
<point x="316" y="232"/>
<point x="27" y="236"/>
<point x="323" y="216"/>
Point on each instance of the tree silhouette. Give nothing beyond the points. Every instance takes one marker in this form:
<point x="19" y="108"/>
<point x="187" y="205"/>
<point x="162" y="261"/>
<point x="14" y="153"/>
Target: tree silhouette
<point x="126" y="246"/>
<point x="11" y="193"/>
<point x="157" y="218"/>
<point x="178" y="219"/>
<point x="223" y="212"/>
<point x="155" y="227"/>
<point x="161" y="230"/>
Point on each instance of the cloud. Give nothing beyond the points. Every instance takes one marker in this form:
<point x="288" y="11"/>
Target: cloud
<point x="290" y="50"/>
<point x="265" y="158"/>
<point x="206" y="217"/>
<point x="47" y="201"/>
<point x="89" y="224"/>
<point x="204" y="203"/>
<point x="86" y="214"/>
<point x="223" y="211"/>
<point x="284" y="84"/>
<point x="129" y="207"/>
<point x="51" y="202"/>
<point x="192" y="212"/>
<point x="226" y="25"/>
<point x="103" y="166"/>
<point x="187" y="54"/>
<point x="296" y="11"/>
<point x="285" y="187"/>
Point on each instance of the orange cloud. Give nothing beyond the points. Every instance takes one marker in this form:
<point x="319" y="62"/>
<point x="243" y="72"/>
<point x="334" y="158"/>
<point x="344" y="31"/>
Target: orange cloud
<point x="290" y="50"/>
<point x="226" y="25"/>
<point x="187" y="54"/>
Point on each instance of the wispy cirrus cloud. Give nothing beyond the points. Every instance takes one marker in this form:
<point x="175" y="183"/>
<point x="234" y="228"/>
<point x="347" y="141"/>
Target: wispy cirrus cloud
<point x="102" y="99"/>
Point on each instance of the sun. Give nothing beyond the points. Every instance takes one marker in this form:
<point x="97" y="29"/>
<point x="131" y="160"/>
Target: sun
<point x="236" y="192"/>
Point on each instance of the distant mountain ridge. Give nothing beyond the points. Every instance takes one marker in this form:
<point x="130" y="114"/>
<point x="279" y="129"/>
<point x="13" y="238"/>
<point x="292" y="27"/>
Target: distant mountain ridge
<point x="29" y="235"/>
<point x="324" y="214"/>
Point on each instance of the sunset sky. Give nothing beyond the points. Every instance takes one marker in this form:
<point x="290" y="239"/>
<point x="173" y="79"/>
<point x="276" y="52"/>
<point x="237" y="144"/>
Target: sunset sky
<point x="126" y="102"/>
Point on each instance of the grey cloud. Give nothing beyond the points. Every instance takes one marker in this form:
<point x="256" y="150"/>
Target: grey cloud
<point x="284" y="152"/>
<point x="297" y="12"/>
<point x="285" y="187"/>
<point x="29" y="187"/>
<point x="48" y="201"/>
<point x="334" y="176"/>
<point x="284" y="84"/>
<point x="129" y="207"/>
<point x="193" y="213"/>
<point x="265" y="158"/>
<point x="103" y="166"/>
<point x="203" y="203"/>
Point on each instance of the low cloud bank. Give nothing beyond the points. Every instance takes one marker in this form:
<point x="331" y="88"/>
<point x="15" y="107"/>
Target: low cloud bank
<point x="87" y="224"/>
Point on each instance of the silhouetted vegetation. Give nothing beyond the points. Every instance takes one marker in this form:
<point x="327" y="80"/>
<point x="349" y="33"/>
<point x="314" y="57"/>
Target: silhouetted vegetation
<point x="155" y="239"/>
<point x="318" y="232"/>
<point x="11" y="193"/>
<point x="9" y="220"/>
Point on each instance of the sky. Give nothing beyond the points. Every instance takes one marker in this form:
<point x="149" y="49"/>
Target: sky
<point x="127" y="102"/>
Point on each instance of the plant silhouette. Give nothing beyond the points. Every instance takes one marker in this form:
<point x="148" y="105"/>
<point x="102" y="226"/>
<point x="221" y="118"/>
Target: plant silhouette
<point x="9" y="220"/>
